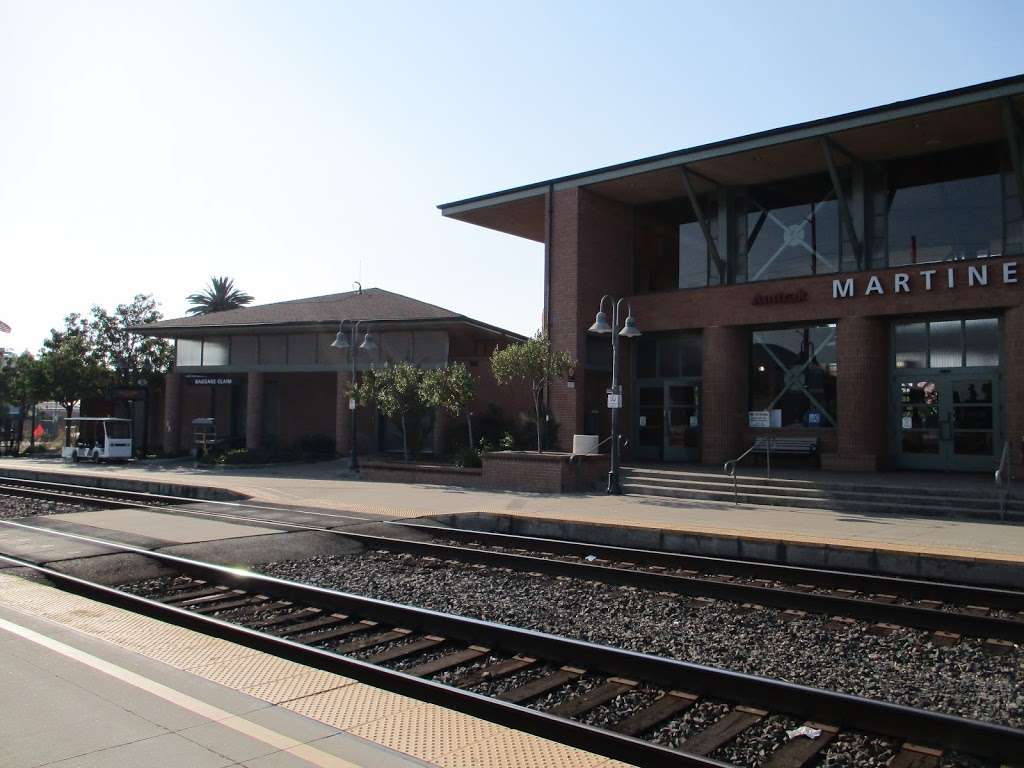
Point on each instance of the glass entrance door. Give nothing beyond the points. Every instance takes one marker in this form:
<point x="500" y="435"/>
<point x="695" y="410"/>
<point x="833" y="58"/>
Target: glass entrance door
<point x="668" y="420"/>
<point x="948" y="421"/>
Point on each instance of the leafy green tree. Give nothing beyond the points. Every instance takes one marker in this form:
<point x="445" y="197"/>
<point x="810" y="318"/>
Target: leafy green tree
<point x="220" y="295"/>
<point x="22" y="386"/>
<point x="451" y="388"/>
<point x="532" y="363"/>
<point x="70" y="372"/>
<point x="396" y="391"/>
<point x="118" y="349"/>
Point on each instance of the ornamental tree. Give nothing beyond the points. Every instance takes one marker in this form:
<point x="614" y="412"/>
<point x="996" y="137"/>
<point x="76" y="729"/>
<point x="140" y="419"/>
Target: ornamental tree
<point x="70" y="372"/>
<point x="451" y="388"/>
<point x="531" y="363"/>
<point x="395" y="390"/>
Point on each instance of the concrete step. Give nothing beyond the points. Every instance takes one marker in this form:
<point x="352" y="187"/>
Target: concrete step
<point x="890" y="506"/>
<point x="653" y="474"/>
<point x="763" y="487"/>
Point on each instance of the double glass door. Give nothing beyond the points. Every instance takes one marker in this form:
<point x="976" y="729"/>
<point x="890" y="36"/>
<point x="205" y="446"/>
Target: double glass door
<point x="668" y="420"/>
<point x="948" y="421"/>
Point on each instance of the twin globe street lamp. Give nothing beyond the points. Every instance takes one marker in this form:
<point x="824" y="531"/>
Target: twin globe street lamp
<point x="629" y="330"/>
<point x="369" y="345"/>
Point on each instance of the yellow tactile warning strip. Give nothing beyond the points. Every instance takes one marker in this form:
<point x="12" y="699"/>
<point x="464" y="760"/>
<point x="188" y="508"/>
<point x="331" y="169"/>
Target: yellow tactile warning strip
<point x="424" y="731"/>
<point x="222" y="717"/>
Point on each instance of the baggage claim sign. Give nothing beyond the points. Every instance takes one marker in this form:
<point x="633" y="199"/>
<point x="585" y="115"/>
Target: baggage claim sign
<point x="847" y="288"/>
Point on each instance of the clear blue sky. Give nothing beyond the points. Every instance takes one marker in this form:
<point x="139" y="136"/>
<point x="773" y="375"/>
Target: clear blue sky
<point x="299" y="146"/>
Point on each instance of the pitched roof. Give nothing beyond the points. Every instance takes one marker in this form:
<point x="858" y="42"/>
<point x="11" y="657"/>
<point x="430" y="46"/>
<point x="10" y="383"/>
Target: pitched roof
<point x="369" y="304"/>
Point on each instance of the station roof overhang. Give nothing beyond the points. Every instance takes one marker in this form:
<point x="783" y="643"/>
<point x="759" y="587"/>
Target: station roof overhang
<point x="973" y="115"/>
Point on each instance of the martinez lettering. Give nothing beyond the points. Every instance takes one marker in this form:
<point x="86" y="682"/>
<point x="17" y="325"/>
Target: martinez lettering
<point x="847" y="288"/>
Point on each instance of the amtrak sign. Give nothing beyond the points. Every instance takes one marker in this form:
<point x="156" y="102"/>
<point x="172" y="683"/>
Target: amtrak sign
<point x="924" y="280"/>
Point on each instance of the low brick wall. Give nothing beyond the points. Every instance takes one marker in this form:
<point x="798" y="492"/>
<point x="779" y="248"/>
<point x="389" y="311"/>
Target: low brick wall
<point x="429" y="474"/>
<point x="543" y="472"/>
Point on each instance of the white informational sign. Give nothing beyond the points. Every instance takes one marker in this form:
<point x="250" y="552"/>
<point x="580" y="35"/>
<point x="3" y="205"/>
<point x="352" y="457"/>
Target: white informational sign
<point x="351" y="403"/>
<point x="908" y="422"/>
<point x="775" y="417"/>
<point x="643" y="421"/>
<point x="614" y="401"/>
<point x="759" y="419"/>
<point x="693" y="421"/>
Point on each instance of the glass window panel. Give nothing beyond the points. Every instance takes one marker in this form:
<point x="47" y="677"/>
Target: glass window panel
<point x="972" y="391"/>
<point x="946" y="344"/>
<point x="647" y="358"/>
<point x="946" y="220"/>
<point x="981" y="339"/>
<point x="682" y="395"/>
<point x="189" y="351"/>
<point x="599" y="351"/>
<point x="273" y="350"/>
<point x="973" y="443"/>
<point x="690" y="354"/>
<point x="972" y="417"/>
<point x="244" y="350"/>
<point x="795" y="370"/>
<point x="919" y="393"/>
<point x="790" y="230"/>
<point x="920" y="441"/>
<point x="301" y="349"/>
<point x="693" y="256"/>
<point x="651" y="396"/>
<point x="911" y="345"/>
<point x="215" y="350"/>
<point x="668" y="358"/>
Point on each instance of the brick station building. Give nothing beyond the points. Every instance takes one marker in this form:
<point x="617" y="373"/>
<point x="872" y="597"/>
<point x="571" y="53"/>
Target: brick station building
<point x="858" y="278"/>
<point x="268" y="374"/>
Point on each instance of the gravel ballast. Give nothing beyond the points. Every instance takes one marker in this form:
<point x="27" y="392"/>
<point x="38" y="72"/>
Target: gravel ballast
<point x="20" y="506"/>
<point x="901" y="667"/>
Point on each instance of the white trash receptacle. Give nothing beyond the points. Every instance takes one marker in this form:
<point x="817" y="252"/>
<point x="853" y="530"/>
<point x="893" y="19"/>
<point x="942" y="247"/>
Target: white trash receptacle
<point x="584" y="444"/>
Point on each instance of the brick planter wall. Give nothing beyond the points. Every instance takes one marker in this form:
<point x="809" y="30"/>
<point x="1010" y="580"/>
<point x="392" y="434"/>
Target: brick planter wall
<point x="432" y="474"/>
<point x="543" y="472"/>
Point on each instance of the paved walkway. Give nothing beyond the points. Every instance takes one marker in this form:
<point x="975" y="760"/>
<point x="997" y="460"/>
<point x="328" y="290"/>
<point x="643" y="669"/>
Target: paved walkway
<point x="323" y="485"/>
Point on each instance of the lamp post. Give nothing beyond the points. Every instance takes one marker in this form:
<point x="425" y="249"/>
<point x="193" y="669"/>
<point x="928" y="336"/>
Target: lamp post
<point x="369" y="345"/>
<point x="629" y="330"/>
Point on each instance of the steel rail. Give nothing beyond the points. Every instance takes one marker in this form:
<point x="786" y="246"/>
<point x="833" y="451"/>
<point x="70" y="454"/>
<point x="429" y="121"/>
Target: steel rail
<point x="587" y="737"/>
<point x="989" y="740"/>
<point x="857" y="608"/>
<point x="921" y="589"/>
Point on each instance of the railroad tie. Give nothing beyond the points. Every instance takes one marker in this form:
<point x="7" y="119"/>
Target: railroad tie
<point x="541" y="685"/>
<point x="284" y="618"/>
<point x="448" y="661"/>
<point x="305" y="626"/>
<point x="666" y="706"/>
<point x="363" y="625"/>
<point x="602" y="694"/>
<point x="723" y="730"/>
<point x="914" y="756"/>
<point x="368" y="642"/>
<point x="798" y="752"/>
<point x="241" y="602"/>
<point x="495" y="671"/>
<point x="409" y="649"/>
<point x="179" y="597"/>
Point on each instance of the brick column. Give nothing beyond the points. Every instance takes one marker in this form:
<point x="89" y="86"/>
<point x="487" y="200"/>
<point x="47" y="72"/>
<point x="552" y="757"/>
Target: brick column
<point x="726" y="370"/>
<point x="862" y="344"/>
<point x="254" y="410"/>
<point x="1013" y="371"/>
<point x="343" y="416"/>
<point x="172" y="412"/>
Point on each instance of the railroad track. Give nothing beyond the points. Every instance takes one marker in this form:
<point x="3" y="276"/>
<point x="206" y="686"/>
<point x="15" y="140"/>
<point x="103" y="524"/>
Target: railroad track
<point x="948" y="611"/>
<point x="554" y="687"/>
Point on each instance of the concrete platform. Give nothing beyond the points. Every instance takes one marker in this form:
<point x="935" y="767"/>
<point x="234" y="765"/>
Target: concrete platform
<point x="86" y="684"/>
<point x="324" y="486"/>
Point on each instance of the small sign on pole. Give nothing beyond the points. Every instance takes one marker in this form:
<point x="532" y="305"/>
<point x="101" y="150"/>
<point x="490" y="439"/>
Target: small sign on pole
<point x="759" y="419"/>
<point x="614" y="400"/>
<point x="351" y="403"/>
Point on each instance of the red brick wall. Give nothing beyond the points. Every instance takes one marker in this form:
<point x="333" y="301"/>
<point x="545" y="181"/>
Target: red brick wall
<point x="862" y="344"/>
<point x="1013" y="368"/>
<point x="591" y="255"/>
<point x="542" y="472"/>
<point x="724" y="388"/>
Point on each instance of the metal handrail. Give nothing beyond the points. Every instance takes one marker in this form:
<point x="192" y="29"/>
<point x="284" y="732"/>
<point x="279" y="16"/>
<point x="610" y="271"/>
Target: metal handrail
<point x="730" y="466"/>
<point x="1002" y="478"/>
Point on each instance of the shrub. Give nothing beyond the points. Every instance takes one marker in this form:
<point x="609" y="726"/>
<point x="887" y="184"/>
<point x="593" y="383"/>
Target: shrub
<point x="468" y="457"/>
<point x="508" y="442"/>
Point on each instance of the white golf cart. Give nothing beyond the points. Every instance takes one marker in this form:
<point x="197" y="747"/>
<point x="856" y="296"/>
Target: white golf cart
<point x="98" y="438"/>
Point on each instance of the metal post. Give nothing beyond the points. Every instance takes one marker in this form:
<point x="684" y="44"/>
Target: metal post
<point x="613" y="474"/>
<point x="769" y="454"/>
<point x="353" y="460"/>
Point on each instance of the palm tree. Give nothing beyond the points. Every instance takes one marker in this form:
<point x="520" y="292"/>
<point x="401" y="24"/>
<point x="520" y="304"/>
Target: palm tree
<point x="220" y="295"/>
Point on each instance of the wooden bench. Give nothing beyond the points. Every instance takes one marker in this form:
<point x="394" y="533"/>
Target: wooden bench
<point x="788" y="446"/>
